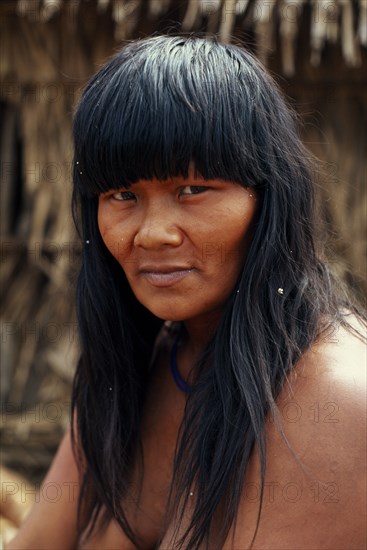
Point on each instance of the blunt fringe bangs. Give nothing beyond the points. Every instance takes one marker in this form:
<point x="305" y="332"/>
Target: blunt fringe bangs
<point x="152" y="111"/>
<point x="157" y="106"/>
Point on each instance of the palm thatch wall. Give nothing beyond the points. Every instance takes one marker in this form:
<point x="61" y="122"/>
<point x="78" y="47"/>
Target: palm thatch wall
<point x="49" y="48"/>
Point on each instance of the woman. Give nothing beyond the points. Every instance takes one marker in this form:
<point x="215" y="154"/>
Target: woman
<point x="238" y="423"/>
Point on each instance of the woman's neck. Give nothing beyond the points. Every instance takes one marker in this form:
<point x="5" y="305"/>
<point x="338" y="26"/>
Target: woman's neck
<point x="195" y="337"/>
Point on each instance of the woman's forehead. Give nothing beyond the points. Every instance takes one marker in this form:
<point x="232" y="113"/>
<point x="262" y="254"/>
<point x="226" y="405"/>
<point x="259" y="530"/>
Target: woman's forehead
<point x="193" y="178"/>
<point x="193" y="175"/>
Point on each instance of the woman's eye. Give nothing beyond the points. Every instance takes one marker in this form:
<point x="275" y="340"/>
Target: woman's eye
<point x="124" y="196"/>
<point x="193" y="190"/>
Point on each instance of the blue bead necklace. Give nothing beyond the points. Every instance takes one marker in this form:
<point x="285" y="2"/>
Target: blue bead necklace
<point x="179" y="381"/>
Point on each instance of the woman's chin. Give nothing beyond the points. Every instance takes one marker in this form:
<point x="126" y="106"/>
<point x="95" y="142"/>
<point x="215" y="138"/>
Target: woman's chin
<point x="173" y="311"/>
<point x="167" y="314"/>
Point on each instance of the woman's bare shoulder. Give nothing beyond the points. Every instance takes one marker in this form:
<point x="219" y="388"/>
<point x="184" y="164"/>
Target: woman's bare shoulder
<point x="323" y="403"/>
<point x="315" y="480"/>
<point x="333" y="371"/>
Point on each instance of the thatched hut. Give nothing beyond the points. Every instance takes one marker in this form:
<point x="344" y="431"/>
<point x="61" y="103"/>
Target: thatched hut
<point x="49" y="48"/>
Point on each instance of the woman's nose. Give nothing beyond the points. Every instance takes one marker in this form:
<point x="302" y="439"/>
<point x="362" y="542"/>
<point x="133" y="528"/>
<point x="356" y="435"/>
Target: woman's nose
<point x="158" y="229"/>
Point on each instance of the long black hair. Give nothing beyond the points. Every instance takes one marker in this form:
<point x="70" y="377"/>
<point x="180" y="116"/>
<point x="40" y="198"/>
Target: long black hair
<point x="158" y="106"/>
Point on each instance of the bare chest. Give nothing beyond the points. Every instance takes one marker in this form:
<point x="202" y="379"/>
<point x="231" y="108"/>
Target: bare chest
<point x="146" y="505"/>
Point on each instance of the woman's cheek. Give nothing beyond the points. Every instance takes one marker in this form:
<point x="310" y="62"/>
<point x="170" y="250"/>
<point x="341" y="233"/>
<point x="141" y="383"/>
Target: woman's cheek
<point x="119" y="241"/>
<point x="108" y="232"/>
<point x="115" y="244"/>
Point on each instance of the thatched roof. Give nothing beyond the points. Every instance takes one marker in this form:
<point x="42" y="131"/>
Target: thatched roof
<point x="334" y="21"/>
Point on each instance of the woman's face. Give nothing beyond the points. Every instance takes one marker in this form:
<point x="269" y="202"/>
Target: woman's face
<point x="181" y="243"/>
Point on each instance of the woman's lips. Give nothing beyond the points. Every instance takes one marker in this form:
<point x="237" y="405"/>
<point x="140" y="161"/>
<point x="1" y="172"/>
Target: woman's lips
<point x="165" y="278"/>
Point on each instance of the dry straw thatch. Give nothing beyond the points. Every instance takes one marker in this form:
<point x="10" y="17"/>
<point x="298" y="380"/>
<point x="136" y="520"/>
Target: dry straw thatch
<point x="331" y="21"/>
<point x="49" y="48"/>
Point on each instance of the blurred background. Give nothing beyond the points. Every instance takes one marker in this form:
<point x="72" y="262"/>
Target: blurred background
<point x="317" y="51"/>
